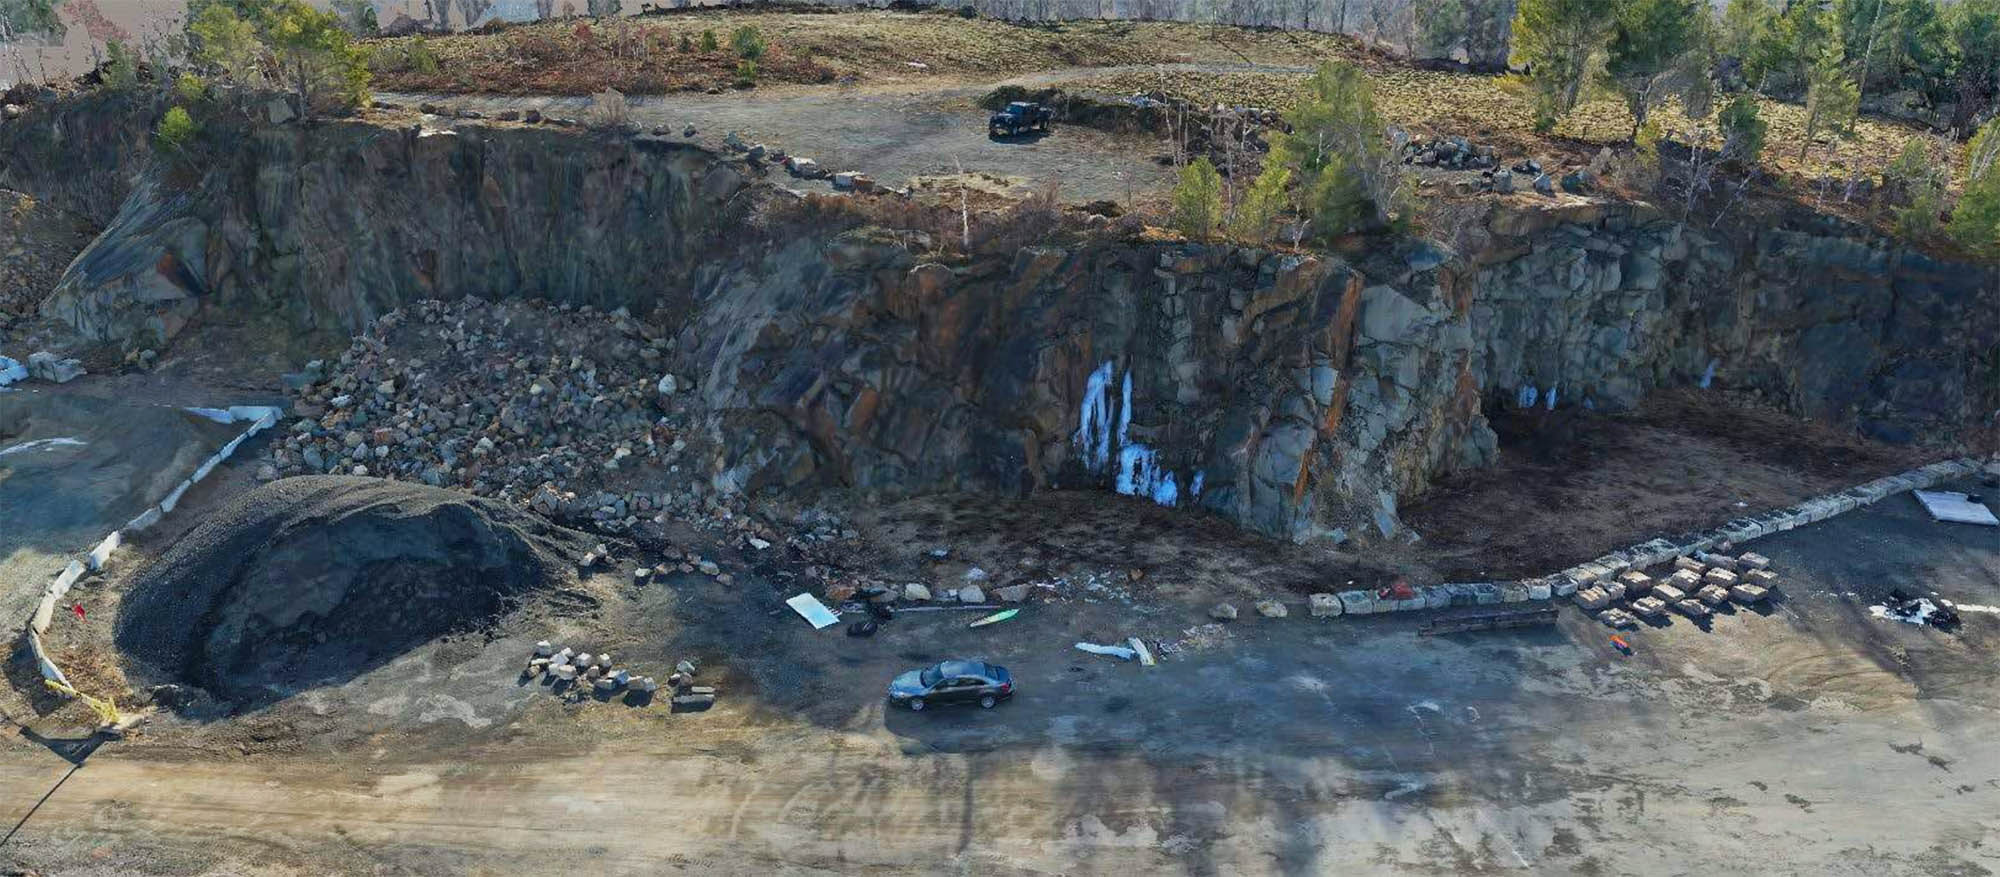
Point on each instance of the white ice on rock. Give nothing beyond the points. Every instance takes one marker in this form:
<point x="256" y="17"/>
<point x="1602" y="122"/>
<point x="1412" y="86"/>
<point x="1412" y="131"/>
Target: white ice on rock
<point x="1093" y="424"/>
<point x="1139" y="471"/>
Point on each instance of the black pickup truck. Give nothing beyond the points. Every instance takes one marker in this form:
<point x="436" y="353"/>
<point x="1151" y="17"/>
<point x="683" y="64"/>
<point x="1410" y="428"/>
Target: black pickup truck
<point x="1019" y="117"/>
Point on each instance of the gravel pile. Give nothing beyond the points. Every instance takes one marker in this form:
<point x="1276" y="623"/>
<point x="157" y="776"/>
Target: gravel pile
<point x="314" y="580"/>
<point x="567" y="410"/>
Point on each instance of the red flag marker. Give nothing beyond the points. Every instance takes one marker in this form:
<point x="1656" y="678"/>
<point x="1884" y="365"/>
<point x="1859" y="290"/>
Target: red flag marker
<point x="78" y="609"/>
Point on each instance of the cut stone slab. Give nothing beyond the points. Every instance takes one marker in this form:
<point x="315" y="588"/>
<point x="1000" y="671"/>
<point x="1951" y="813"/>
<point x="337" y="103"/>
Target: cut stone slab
<point x="1011" y="593"/>
<point x="1514" y="592"/>
<point x="1669" y="593"/>
<point x="1684" y="579"/>
<point x="1271" y="609"/>
<point x="1690" y="564"/>
<point x="914" y="591"/>
<point x="1761" y="577"/>
<point x="1593" y="598"/>
<point x="1721" y="577"/>
<point x="1634" y="580"/>
<point x="1222" y="612"/>
<point x="1650" y="607"/>
<point x="1749" y="594"/>
<point x="1753" y="560"/>
<point x="1618" y="618"/>
<point x="1357" y="603"/>
<point x="1323" y="606"/>
<point x="1713" y="595"/>
<point x="1616" y="590"/>
<point x="1540" y="591"/>
<point x="1692" y="608"/>
<point x="1485" y="593"/>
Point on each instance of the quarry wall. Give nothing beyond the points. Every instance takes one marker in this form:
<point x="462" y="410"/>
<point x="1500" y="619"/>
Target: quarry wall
<point x="1300" y="395"/>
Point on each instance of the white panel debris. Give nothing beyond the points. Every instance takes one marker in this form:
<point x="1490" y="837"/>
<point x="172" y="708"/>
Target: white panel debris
<point x="1956" y="508"/>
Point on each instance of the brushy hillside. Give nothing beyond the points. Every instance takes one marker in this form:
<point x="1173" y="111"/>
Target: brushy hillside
<point x="660" y="54"/>
<point x="1492" y="109"/>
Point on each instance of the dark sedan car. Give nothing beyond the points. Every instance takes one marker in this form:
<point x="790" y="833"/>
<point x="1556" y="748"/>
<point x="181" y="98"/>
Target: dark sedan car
<point x="953" y="682"/>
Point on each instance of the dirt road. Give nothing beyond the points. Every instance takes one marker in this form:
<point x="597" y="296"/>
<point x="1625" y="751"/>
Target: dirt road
<point x="893" y="133"/>
<point x="1811" y="740"/>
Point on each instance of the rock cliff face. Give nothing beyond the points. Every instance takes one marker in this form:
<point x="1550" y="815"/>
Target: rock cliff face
<point x="1296" y="395"/>
<point x="1598" y="303"/>
<point x="1289" y="393"/>
<point x="327" y="226"/>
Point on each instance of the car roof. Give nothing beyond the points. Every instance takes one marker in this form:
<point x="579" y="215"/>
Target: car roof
<point x="964" y="668"/>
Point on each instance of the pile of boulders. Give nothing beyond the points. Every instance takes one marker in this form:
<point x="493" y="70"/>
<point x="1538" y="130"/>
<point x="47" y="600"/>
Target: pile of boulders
<point x="1696" y="586"/>
<point x="552" y="407"/>
<point x="1450" y="153"/>
<point x="598" y="671"/>
<point x="42" y="366"/>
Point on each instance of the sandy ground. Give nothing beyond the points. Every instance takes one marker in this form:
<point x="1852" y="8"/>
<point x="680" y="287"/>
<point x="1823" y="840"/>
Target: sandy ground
<point x="1812" y="740"/>
<point x="1768" y="742"/>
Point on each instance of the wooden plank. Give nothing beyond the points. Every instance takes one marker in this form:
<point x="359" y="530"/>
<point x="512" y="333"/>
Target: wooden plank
<point x="1145" y="654"/>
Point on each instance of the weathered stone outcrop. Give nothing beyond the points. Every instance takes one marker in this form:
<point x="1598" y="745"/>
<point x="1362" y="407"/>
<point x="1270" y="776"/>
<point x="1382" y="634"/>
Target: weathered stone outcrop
<point x="1598" y="303"/>
<point x="1294" y="394"/>
<point x="1286" y="392"/>
<point x="326" y="226"/>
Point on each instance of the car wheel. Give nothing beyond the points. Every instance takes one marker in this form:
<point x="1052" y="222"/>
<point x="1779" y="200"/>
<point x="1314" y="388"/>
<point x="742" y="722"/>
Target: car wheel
<point x="987" y="702"/>
<point x="916" y="704"/>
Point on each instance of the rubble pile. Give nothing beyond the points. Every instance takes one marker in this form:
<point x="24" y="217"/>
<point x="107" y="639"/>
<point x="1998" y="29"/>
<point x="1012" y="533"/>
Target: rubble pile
<point x="1451" y="153"/>
<point x="552" y="407"/>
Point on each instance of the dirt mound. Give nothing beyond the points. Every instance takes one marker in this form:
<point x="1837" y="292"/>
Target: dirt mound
<point x="315" y="580"/>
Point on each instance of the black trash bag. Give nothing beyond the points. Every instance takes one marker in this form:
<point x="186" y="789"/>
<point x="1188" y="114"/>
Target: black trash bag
<point x="861" y="629"/>
<point x="881" y="611"/>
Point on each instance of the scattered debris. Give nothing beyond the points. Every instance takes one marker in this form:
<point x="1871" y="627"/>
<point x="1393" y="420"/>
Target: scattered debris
<point x="813" y="611"/>
<point x="1119" y="652"/>
<point x="995" y="618"/>
<point x="1956" y="508"/>
<point x="1145" y="654"/>
<point x="1900" y="606"/>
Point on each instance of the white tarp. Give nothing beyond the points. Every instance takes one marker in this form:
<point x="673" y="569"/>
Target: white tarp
<point x="813" y="611"/>
<point x="1956" y="508"/>
<point x="1120" y="652"/>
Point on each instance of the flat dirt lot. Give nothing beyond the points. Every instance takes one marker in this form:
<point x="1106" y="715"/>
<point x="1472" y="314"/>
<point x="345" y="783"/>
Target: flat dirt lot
<point x="1576" y="485"/>
<point x="1771" y="743"/>
<point x="1294" y="746"/>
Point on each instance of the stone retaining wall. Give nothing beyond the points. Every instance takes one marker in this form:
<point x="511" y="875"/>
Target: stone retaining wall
<point x="1737" y="531"/>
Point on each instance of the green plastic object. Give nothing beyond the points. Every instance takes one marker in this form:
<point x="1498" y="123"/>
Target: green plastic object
<point x="995" y="618"/>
